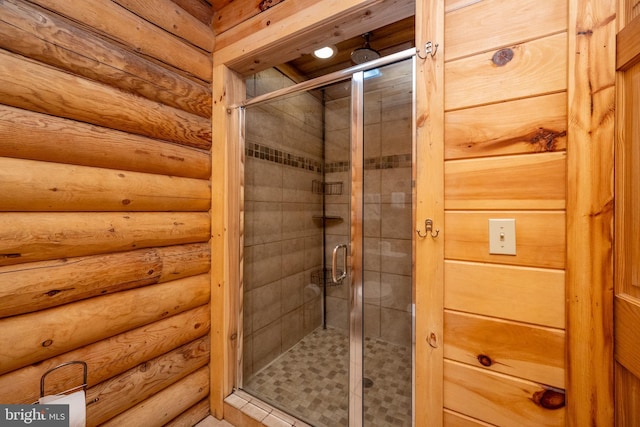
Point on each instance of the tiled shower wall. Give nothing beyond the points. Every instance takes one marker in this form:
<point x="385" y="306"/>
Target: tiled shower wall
<point x="387" y="225"/>
<point x="283" y="244"/>
<point x="283" y="241"/>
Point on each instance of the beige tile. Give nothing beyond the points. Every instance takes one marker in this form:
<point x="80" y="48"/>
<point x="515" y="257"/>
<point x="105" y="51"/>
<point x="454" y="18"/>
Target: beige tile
<point x="312" y="315"/>
<point x="292" y="328"/>
<point x="338" y="313"/>
<point x="396" y="180"/>
<point x="213" y="422"/>
<point x="294" y="220"/>
<point x="236" y="401"/>
<point x="267" y="222"/>
<point x="338" y="114"/>
<point x="372" y="321"/>
<point x="266" y="304"/>
<point x="395" y="220"/>
<point x="267" y="264"/>
<point x="254" y="411"/>
<point x="395" y="256"/>
<point x="372" y="253"/>
<point x="267" y="181"/>
<point x="247" y="356"/>
<point x="396" y="291"/>
<point x="372" y="219"/>
<point x="292" y="287"/>
<point x="371" y="287"/>
<point x="396" y="137"/>
<point x="292" y="256"/>
<point x="312" y="251"/>
<point x="372" y="140"/>
<point x="273" y="421"/>
<point x="372" y="185"/>
<point x="266" y="345"/>
<point x="395" y="326"/>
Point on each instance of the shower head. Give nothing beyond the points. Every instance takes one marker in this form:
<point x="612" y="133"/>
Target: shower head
<point x="365" y="53"/>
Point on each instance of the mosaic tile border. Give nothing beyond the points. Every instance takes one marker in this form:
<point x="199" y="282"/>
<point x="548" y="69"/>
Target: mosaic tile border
<point x="264" y="152"/>
<point x="270" y="154"/>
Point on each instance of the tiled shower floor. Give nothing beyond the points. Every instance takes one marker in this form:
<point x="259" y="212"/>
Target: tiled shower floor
<point x="310" y="381"/>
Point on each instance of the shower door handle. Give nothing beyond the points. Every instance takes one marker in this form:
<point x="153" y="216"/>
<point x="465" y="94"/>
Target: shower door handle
<point x="334" y="265"/>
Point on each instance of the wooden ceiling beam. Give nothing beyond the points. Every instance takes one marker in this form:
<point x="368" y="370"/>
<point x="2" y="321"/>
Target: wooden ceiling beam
<point x="294" y="28"/>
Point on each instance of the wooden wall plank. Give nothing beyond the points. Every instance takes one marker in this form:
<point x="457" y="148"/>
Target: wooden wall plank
<point x="590" y="165"/>
<point x="63" y="188"/>
<point x="28" y="237"/>
<point x="540" y="238"/>
<point x="499" y="399"/>
<point x="523" y="294"/>
<point x="116" y="22"/>
<point x="627" y="397"/>
<point x="478" y="80"/>
<point x="201" y="9"/>
<point x="285" y="32"/>
<point x="530" y="125"/>
<point x="524" y="351"/>
<point x="455" y="419"/>
<point x="33" y="86"/>
<point x="627" y="312"/>
<point x="511" y="182"/>
<point x="627" y="45"/>
<point x="28" y="135"/>
<point x="172" y="18"/>
<point x="191" y="416"/>
<point x="33" y="337"/>
<point x="143" y="381"/>
<point x="25" y="288"/>
<point x="167" y="404"/>
<point x="235" y="13"/>
<point x="482" y="26"/>
<point x="39" y="34"/>
<point x="109" y="357"/>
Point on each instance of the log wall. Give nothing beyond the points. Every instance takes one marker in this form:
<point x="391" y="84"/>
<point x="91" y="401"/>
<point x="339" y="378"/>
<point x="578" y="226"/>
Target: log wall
<point x="505" y="139"/>
<point x="105" y="176"/>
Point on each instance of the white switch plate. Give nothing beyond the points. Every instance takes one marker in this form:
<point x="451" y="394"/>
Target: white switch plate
<point x="502" y="236"/>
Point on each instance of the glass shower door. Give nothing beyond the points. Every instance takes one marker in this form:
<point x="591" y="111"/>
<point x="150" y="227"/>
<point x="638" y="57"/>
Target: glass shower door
<point x="327" y="250"/>
<point x="387" y="285"/>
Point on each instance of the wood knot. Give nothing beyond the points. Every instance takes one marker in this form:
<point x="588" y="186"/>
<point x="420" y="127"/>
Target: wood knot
<point x="549" y="399"/>
<point x="485" y="360"/>
<point x="53" y="292"/>
<point x="47" y="343"/>
<point x="502" y="57"/>
<point x="433" y="340"/>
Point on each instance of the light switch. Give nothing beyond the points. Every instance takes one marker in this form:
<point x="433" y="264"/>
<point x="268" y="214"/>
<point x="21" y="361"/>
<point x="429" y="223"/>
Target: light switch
<point x="502" y="236"/>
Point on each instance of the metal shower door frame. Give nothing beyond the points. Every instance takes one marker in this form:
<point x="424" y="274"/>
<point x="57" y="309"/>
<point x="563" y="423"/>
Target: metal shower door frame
<point x="356" y="245"/>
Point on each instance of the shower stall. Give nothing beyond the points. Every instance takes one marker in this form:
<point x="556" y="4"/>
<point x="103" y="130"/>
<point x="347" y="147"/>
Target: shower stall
<point x="327" y="289"/>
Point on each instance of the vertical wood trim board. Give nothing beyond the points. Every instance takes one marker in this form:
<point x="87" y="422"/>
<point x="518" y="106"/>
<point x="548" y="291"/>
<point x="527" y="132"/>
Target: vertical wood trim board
<point x="228" y="89"/>
<point x="591" y="94"/>
<point x="429" y="252"/>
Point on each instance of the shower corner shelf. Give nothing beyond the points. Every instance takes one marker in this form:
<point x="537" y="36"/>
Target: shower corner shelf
<point x="323" y="277"/>
<point x="326" y="188"/>
<point x="328" y="218"/>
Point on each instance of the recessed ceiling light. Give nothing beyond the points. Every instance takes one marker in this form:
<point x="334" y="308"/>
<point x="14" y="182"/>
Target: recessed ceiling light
<point x="325" y="52"/>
